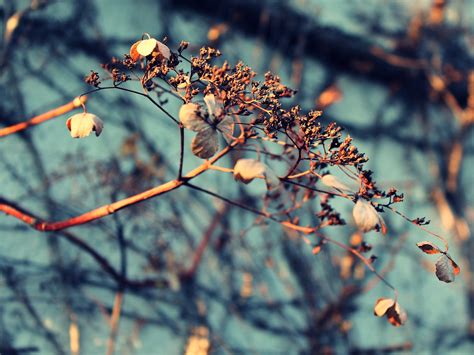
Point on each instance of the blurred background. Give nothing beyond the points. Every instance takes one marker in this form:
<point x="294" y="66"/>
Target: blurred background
<point x="190" y="274"/>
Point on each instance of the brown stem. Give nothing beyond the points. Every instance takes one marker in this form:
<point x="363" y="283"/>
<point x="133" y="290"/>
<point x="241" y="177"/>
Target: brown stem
<point x="58" y="111"/>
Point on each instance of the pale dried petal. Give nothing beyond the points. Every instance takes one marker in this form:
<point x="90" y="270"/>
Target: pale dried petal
<point x="444" y="269"/>
<point x="382" y="305"/>
<point x="82" y="124"/>
<point x="366" y="216"/>
<point x="226" y="126"/>
<point x="332" y="181"/>
<point x="164" y="50"/>
<point x="246" y="170"/>
<point x="147" y="46"/>
<point x="215" y="107"/>
<point x="205" y="144"/>
<point x="190" y="117"/>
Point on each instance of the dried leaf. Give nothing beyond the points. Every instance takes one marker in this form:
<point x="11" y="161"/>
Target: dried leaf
<point x="316" y="249"/>
<point x="382" y="305"/>
<point x="367" y="218"/>
<point x="396" y="315"/>
<point x="392" y="310"/>
<point x="428" y="248"/>
<point x="445" y="270"/>
<point x="226" y="126"/>
<point x="133" y="51"/>
<point x="147" y="46"/>
<point x="215" y="107"/>
<point x="82" y="124"/>
<point x="191" y="118"/>
<point x="164" y="50"/>
<point x="246" y="170"/>
<point x="205" y="144"/>
<point x="332" y="181"/>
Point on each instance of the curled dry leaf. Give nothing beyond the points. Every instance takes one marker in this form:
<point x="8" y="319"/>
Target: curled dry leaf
<point x="367" y="218"/>
<point x="428" y="248"/>
<point x="392" y="310"/>
<point x="207" y="124"/>
<point x="332" y="181"/>
<point x="246" y="170"/>
<point x="82" y="124"/>
<point x="150" y="46"/>
<point x="446" y="268"/>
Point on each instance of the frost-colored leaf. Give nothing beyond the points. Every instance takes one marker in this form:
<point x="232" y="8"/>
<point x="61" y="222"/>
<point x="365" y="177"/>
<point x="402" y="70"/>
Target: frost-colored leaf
<point x="205" y="144"/>
<point x="428" y="248"/>
<point x="382" y="305"/>
<point x="147" y="46"/>
<point x="190" y="116"/>
<point x="332" y="181"/>
<point x="164" y="50"/>
<point x="366" y="217"/>
<point x="446" y="268"/>
<point x="133" y="51"/>
<point x="215" y="107"/>
<point x="226" y="126"/>
<point x="82" y="124"/>
<point x="246" y="170"/>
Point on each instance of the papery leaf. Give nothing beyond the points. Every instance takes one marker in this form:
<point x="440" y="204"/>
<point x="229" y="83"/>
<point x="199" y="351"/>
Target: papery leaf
<point x="456" y="268"/>
<point x="428" y="248"/>
<point x="133" y="51"/>
<point x="205" y="144"/>
<point x="446" y="269"/>
<point x="164" y="50"/>
<point x="226" y="126"/>
<point x="246" y="170"/>
<point x="82" y="124"/>
<point x="215" y="107"/>
<point x="332" y="181"/>
<point x="396" y="315"/>
<point x="191" y="118"/>
<point x="316" y="250"/>
<point x="382" y="305"/>
<point x="366" y="217"/>
<point x="147" y="46"/>
<point x="392" y="310"/>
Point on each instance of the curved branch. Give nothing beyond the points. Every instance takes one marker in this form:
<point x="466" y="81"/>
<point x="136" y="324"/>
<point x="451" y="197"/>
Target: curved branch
<point x="77" y="102"/>
<point x="100" y="212"/>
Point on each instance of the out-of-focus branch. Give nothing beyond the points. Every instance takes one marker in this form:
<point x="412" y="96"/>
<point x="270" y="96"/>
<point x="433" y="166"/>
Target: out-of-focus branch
<point x="109" y="209"/>
<point x="77" y="102"/>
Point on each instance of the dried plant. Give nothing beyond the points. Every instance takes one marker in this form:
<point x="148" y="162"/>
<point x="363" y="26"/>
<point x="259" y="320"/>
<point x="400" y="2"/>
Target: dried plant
<point x="232" y="113"/>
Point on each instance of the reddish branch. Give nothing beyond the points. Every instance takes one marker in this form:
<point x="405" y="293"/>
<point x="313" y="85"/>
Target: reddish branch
<point x="77" y="102"/>
<point x="109" y="209"/>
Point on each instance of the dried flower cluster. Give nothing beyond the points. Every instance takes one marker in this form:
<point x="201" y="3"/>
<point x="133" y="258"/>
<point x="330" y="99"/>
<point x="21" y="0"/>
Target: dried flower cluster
<point x="228" y="109"/>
